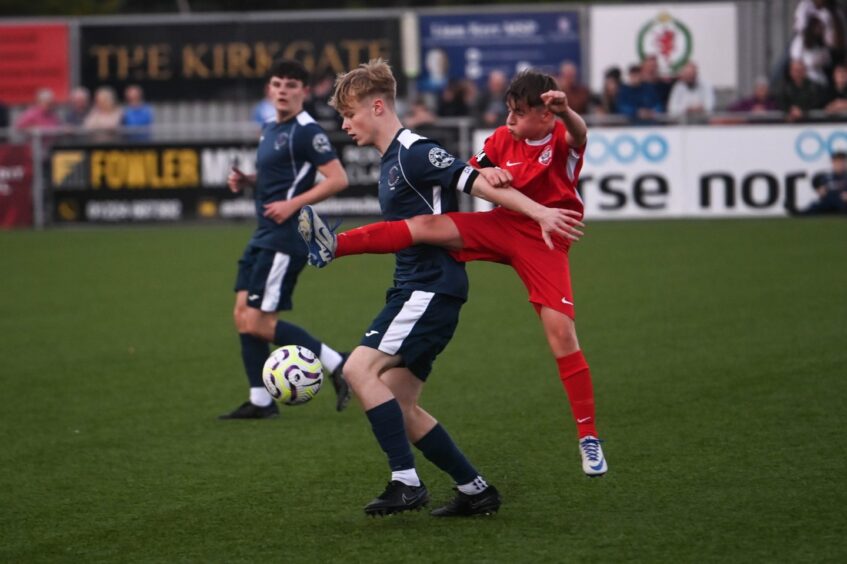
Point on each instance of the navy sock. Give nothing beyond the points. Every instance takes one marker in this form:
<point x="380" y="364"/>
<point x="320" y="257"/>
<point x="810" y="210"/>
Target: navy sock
<point x="254" y="353"/>
<point x="439" y="448"/>
<point x="290" y="334"/>
<point x="387" y="424"/>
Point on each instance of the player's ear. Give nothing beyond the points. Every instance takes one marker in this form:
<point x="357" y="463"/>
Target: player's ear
<point x="378" y="106"/>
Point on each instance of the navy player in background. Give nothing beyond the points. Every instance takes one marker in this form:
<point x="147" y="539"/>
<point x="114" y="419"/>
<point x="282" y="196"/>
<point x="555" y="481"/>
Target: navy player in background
<point x="293" y="148"/>
<point x="388" y="370"/>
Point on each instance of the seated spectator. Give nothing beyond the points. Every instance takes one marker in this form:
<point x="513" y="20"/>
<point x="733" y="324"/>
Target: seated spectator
<point x="491" y="107"/>
<point x="651" y="77"/>
<point x="418" y="114"/>
<point x="831" y="188"/>
<point x="136" y="113"/>
<point x="264" y="110"/>
<point x="42" y="114"/>
<point x="105" y="115"/>
<point x="78" y="102"/>
<point x="606" y="102"/>
<point x="578" y="94"/>
<point x="760" y="101"/>
<point x="457" y="99"/>
<point x="837" y="95"/>
<point x="638" y="102"/>
<point x="797" y="94"/>
<point x="690" y="96"/>
<point x="811" y="48"/>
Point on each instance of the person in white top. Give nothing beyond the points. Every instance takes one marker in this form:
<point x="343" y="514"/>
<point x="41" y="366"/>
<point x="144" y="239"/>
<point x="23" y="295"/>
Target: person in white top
<point x="690" y="96"/>
<point x="810" y="48"/>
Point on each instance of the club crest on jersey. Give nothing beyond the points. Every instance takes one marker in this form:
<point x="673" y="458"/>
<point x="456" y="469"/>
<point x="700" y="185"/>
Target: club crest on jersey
<point x="440" y="158"/>
<point x="321" y="143"/>
<point x="281" y="141"/>
<point x="546" y="155"/>
<point x="393" y="176"/>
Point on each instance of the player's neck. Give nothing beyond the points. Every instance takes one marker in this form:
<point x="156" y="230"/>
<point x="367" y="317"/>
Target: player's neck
<point x="285" y="116"/>
<point x="386" y="131"/>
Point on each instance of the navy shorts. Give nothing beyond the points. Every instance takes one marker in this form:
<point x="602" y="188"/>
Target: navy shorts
<point x="415" y="325"/>
<point x="269" y="277"/>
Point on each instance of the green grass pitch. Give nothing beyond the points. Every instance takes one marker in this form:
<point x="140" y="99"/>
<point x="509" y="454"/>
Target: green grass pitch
<point x="719" y="355"/>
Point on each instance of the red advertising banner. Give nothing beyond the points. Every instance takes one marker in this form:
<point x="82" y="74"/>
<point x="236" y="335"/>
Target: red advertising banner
<point x="33" y="57"/>
<point x="15" y="186"/>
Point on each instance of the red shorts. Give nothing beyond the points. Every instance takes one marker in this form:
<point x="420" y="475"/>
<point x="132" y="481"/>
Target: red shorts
<point x="503" y="236"/>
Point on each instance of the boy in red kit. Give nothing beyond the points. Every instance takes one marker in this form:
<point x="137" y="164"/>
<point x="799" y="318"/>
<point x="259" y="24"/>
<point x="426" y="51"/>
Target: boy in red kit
<point x="541" y="156"/>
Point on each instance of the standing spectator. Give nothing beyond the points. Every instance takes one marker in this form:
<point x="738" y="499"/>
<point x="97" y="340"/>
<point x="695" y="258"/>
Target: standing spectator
<point x="690" y="96"/>
<point x="42" y="114"/>
<point x="651" y="78"/>
<point x="831" y="17"/>
<point x="837" y="97"/>
<point x="264" y="110"/>
<point x="318" y="103"/>
<point x="136" y="112"/>
<point x="811" y="48"/>
<point x="105" y="115"/>
<point x="457" y="99"/>
<point x="578" y="94"/>
<point x="831" y="188"/>
<point x="798" y="95"/>
<point x="78" y="102"/>
<point x="639" y="103"/>
<point x="490" y="109"/>
<point x="606" y="102"/>
<point x="760" y="101"/>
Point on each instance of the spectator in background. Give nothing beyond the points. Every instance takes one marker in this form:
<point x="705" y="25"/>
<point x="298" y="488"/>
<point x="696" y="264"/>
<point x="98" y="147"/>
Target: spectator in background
<point x="811" y="48"/>
<point x="4" y="115"/>
<point x="797" y="94"/>
<point x="105" y="115"/>
<point x="690" y="96"/>
<point x="831" y="16"/>
<point x="318" y="103"/>
<point x="650" y="77"/>
<point x="78" y="102"/>
<point x="136" y="113"/>
<point x="837" y="96"/>
<point x="831" y="188"/>
<point x="578" y="94"/>
<point x="264" y="110"/>
<point x="457" y="99"/>
<point x="638" y="102"/>
<point x="42" y="114"/>
<point x="606" y="102"/>
<point x="760" y="101"/>
<point x="490" y="109"/>
<point x="418" y="114"/>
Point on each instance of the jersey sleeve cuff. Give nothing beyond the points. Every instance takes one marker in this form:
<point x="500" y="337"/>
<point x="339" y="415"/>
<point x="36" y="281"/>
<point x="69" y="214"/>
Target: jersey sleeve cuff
<point x="464" y="178"/>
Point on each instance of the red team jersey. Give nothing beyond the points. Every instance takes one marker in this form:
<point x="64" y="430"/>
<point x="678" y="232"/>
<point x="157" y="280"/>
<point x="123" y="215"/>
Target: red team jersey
<point x="547" y="171"/>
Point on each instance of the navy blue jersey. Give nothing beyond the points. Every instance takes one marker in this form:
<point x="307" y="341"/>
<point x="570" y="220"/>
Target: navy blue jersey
<point x="418" y="177"/>
<point x="287" y="160"/>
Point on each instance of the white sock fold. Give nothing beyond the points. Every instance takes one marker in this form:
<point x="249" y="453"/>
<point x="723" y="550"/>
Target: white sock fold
<point x="408" y="477"/>
<point x="260" y="397"/>
<point x="478" y="485"/>
<point x="329" y="358"/>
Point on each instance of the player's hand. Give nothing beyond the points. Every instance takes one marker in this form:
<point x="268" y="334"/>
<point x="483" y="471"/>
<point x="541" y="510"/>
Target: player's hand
<point x="496" y="176"/>
<point x="237" y="180"/>
<point x="556" y="101"/>
<point x="562" y="222"/>
<point x="280" y="211"/>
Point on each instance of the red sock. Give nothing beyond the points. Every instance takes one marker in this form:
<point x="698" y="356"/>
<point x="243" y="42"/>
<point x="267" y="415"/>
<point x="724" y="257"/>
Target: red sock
<point x="576" y="377"/>
<point x="376" y="238"/>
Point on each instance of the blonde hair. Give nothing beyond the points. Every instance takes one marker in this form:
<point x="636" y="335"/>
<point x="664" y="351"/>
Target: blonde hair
<point x="373" y="78"/>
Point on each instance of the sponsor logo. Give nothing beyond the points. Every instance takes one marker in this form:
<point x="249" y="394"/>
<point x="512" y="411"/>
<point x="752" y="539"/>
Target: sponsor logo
<point x="566" y="302"/>
<point x="510" y="163"/>
<point x="440" y="158"/>
<point x="546" y="155"/>
<point x="583" y="419"/>
<point x="281" y="141"/>
<point x="393" y="176"/>
<point x="668" y="39"/>
<point x="811" y="145"/>
<point x="371" y="333"/>
<point x="626" y="148"/>
<point x="321" y="143"/>
<point x="253" y="297"/>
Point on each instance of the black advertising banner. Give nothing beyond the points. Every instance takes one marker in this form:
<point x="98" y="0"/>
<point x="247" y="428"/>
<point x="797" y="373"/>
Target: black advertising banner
<point x="227" y="60"/>
<point x="187" y="181"/>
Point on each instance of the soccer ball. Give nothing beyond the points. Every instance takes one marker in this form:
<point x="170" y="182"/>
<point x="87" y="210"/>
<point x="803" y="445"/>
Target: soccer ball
<point x="293" y="374"/>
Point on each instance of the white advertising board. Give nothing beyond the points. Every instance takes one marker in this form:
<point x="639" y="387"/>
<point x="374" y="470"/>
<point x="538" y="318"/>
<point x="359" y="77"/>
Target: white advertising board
<point x="704" y="171"/>
<point x="675" y="33"/>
